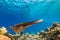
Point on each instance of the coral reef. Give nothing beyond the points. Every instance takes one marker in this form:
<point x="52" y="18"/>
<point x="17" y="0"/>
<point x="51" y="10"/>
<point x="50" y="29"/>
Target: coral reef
<point x="51" y="33"/>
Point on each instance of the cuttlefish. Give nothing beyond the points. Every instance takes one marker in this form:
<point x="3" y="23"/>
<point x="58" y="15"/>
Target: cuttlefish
<point x="20" y="27"/>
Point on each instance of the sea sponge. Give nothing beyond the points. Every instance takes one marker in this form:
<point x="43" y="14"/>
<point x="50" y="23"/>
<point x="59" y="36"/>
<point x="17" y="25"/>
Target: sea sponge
<point x="3" y="30"/>
<point x="2" y="37"/>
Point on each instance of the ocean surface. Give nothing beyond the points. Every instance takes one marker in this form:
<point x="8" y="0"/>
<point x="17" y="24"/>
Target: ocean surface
<point x="13" y="12"/>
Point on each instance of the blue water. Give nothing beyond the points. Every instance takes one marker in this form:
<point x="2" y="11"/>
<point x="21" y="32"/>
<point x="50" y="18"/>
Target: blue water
<point x="15" y="11"/>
